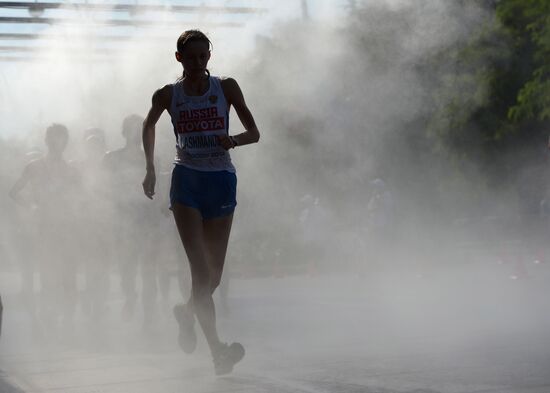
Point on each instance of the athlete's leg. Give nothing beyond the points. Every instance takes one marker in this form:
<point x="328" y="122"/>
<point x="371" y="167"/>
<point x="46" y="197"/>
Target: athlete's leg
<point x="128" y="272"/>
<point x="125" y="246"/>
<point x="149" y="270"/>
<point x="191" y="229"/>
<point x="149" y="291"/>
<point x="69" y="288"/>
<point x="223" y="291"/>
<point x="216" y="237"/>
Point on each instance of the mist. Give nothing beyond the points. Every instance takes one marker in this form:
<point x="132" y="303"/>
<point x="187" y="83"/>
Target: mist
<point x="360" y="259"/>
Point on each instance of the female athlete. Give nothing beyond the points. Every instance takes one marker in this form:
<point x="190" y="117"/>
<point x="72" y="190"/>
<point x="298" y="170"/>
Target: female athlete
<point x="203" y="188"/>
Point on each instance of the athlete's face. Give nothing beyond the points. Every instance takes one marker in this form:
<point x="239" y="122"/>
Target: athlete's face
<point x="194" y="58"/>
<point x="56" y="144"/>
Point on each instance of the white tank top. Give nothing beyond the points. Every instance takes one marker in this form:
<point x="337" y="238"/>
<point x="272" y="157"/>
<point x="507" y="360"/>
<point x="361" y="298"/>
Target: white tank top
<point x="198" y="121"/>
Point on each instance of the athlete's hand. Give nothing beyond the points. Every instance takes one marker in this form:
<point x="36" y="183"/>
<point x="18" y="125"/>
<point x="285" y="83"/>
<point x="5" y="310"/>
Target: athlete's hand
<point x="226" y="142"/>
<point x="149" y="184"/>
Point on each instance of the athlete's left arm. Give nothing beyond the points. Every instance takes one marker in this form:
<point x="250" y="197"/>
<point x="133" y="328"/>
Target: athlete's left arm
<point x="235" y="98"/>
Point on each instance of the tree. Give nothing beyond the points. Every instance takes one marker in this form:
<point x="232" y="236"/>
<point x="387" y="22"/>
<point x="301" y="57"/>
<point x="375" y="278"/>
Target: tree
<point x="529" y="22"/>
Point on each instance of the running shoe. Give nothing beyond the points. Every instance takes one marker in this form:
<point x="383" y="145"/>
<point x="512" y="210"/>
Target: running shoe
<point x="187" y="339"/>
<point x="226" y="357"/>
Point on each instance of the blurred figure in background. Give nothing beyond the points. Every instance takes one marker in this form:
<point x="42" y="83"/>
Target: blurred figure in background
<point x="313" y="242"/>
<point x="133" y="222"/>
<point x="95" y="217"/>
<point x="1" y="314"/>
<point x="54" y="186"/>
<point x="27" y="233"/>
<point x="379" y="220"/>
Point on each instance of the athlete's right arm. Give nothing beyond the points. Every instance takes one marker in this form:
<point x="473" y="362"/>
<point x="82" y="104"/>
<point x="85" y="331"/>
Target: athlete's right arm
<point x="160" y="102"/>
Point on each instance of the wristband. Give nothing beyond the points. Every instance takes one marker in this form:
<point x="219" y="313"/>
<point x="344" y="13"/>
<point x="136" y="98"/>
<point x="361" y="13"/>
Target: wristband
<point x="234" y="141"/>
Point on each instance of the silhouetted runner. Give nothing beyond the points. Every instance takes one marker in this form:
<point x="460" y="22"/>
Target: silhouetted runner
<point x="132" y="222"/>
<point x="54" y="196"/>
<point x="203" y="189"/>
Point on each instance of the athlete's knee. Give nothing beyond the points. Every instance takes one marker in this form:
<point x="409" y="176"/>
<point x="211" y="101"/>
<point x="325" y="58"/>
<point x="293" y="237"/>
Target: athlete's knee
<point x="201" y="291"/>
<point x="215" y="279"/>
<point x="200" y="282"/>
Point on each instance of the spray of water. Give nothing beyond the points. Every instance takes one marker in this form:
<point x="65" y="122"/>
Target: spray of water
<point x="339" y="188"/>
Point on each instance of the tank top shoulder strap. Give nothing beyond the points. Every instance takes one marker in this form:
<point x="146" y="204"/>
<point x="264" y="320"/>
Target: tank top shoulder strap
<point x="176" y="89"/>
<point x="217" y="87"/>
<point x="216" y="84"/>
<point x="176" y="93"/>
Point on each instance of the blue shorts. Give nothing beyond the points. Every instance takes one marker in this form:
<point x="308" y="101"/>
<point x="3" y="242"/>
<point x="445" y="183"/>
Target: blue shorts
<point x="212" y="193"/>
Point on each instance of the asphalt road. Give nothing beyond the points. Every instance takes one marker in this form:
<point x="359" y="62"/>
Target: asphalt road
<point x="472" y="330"/>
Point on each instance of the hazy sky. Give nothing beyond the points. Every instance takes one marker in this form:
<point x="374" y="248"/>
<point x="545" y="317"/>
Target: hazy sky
<point x="20" y="80"/>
